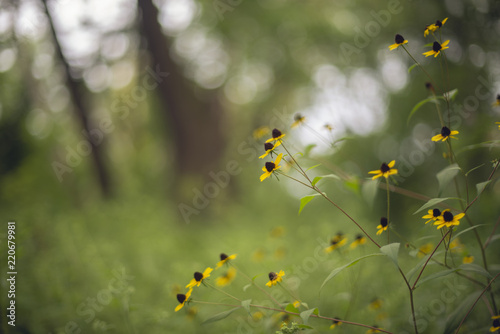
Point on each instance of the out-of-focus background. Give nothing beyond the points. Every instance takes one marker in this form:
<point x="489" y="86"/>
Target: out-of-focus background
<point x="129" y="156"/>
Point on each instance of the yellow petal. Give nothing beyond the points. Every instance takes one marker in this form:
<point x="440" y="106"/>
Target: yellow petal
<point x="437" y="137"/>
<point x="391" y="164"/>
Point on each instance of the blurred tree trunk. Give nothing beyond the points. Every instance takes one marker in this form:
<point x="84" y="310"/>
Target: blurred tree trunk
<point x="77" y="92"/>
<point x="196" y="123"/>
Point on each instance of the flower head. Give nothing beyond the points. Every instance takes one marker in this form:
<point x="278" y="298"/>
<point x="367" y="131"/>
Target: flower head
<point x="227" y="278"/>
<point x="385" y="170"/>
<point x="400" y="40"/>
<point x="496" y="323"/>
<point x="269" y="148"/>
<point x="276" y="135"/>
<point x="498" y="125"/>
<point x="437" y="48"/>
<point x="182" y="299"/>
<point x="260" y="132"/>
<point x="383" y="225"/>
<point x="375" y="304"/>
<point x="298" y="119"/>
<point x="497" y="101"/>
<point x="224" y="259"/>
<point x="373" y="330"/>
<point x="448" y="219"/>
<point x="270" y="167"/>
<point x="425" y="249"/>
<point x="199" y="277"/>
<point x="445" y="134"/>
<point x="338" y="241"/>
<point x="468" y="259"/>
<point x="432" y="215"/>
<point x="433" y="27"/>
<point x="335" y="323"/>
<point x="360" y="240"/>
<point x="274" y="278"/>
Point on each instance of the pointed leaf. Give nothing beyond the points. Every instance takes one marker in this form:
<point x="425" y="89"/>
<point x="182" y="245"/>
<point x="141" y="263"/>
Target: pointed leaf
<point x="318" y="178"/>
<point x="391" y="251"/>
<point x="246" y="304"/>
<point x="480" y="186"/>
<point x="247" y="286"/>
<point x="476" y="269"/>
<point x="219" y="316"/>
<point x="308" y="149"/>
<point x="312" y="167"/>
<point x="336" y="271"/>
<point x="466" y="230"/>
<point x="369" y="191"/>
<point x="473" y="169"/>
<point x="306" y="199"/>
<point x="451" y="94"/>
<point x="446" y="175"/>
<point x="304" y="326"/>
<point x="306" y="314"/>
<point x="412" y="67"/>
<point x="291" y="308"/>
<point x="436" y="275"/>
<point x="459" y="312"/>
<point x="419" y="265"/>
<point x="420" y="104"/>
<point x="430" y="203"/>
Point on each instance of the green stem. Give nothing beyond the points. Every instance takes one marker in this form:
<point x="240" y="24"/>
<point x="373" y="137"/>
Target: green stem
<point x="388" y="207"/>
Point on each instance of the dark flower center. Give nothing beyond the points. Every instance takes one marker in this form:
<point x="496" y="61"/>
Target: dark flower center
<point x="428" y="85"/>
<point x="181" y="298"/>
<point x="198" y="276"/>
<point x="334" y="242"/>
<point x="336" y="321"/>
<point x="273" y="276"/>
<point x="268" y="146"/>
<point x="436" y="213"/>
<point x="399" y="39"/>
<point x="270" y="166"/>
<point x="445" y="132"/>
<point x="223" y="256"/>
<point x="276" y="133"/>
<point x="439" y="24"/>
<point x="496" y="323"/>
<point x="385" y="168"/>
<point x="383" y="221"/>
<point x="448" y="216"/>
<point x="498" y="97"/>
<point x="359" y="237"/>
<point x="297" y="117"/>
<point x="436" y="47"/>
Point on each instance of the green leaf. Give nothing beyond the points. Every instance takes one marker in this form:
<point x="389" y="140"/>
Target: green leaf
<point x="473" y="169"/>
<point x="318" y="178"/>
<point x="451" y="94"/>
<point x="220" y="316"/>
<point x="306" y="199"/>
<point x="420" y="104"/>
<point x="352" y="184"/>
<point x="369" y="191"/>
<point x="493" y="238"/>
<point x="436" y="275"/>
<point x="412" y="67"/>
<point x="431" y="203"/>
<point x="247" y="286"/>
<point x="253" y="278"/>
<point x="336" y="271"/>
<point x="446" y="175"/>
<point x="246" y="304"/>
<point x="312" y="167"/>
<point x="476" y="269"/>
<point x="419" y="265"/>
<point x="480" y="186"/>
<point x="466" y="230"/>
<point x="306" y="314"/>
<point x="458" y="314"/>
<point x="391" y="251"/>
<point x="305" y="326"/>
<point x="308" y="149"/>
<point x="291" y="308"/>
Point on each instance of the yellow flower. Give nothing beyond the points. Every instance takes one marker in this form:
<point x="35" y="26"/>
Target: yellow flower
<point x="498" y="125"/>
<point x="260" y="132"/>
<point x="448" y="219"/>
<point x="432" y="215"/>
<point x="375" y="304"/>
<point x="199" y="277"/>
<point x="433" y="27"/>
<point x="298" y="120"/>
<point x="277" y="135"/>
<point x="269" y="148"/>
<point x="338" y="241"/>
<point x="336" y="323"/>
<point x="437" y="48"/>
<point x="182" y="299"/>
<point x="445" y="134"/>
<point x="383" y="225"/>
<point x="373" y="330"/>
<point x="468" y="259"/>
<point x="425" y="249"/>
<point x="496" y="324"/>
<point x="296" y="304"/>
<point x="497" y="102"/>
<point x="275" y="278"/>
<point x="360" y="240"/>
<point x="385" y="170"/>
<point x="277" y="232"/>
<point x="270" y="167"/>
<point x="456" y="246"/>
<point x="400" y="40"/>
<point x="224" y="258"/>
<point x="227" y="278"/>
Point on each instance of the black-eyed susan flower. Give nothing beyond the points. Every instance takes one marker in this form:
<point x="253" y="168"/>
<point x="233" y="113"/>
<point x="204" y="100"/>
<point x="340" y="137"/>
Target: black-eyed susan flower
<point x="433" y="27"/>
<point x="432" y="215"/>
<point x="373" y="330"/>
<point x="448" y="219"/>
<point x="382" y="226"/>
<point x="261" y="132"/>
<point x="276" y="135"/>
<point x="456" y="246"/>
<point x="337" y="241"/>
<point x="498" y="125"/>
<point x="445" y="134"/>
<point x="182" y="298"/>
<point x="468" y="259"/>
<point x="360" y="240"/>
<point x="277" y="232"/>
<point x="496" y="324"/>
<point x="224" y="259"/>
<point x="269" y="148"/>
<point x="199" y="277"/>
<point x="399" y="40"/>
<point x="375" y="304"/>
<point x="298" y="119"/>
<point x="437" y="48"/>
<point x="425" y="249"/>
<point x="385" y="170"/>
<point x="275" y="278"/>
<point x="497" y="101"/>
<point x="335" y="323"/>
<point x="270" y="167"/>
<point x="227" y="278"/>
